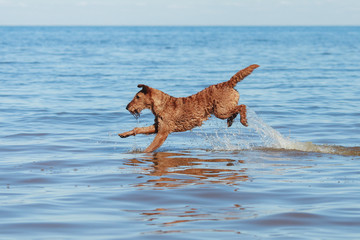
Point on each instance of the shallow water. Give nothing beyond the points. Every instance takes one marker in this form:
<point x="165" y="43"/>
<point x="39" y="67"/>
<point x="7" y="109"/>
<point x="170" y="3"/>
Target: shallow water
<point x="292" y="174"/>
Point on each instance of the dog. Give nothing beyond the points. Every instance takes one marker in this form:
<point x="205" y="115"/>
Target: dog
<point x="181" y="114"/>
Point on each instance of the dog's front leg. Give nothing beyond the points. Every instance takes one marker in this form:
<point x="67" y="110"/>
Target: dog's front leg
<point x="158" y="141"/>
<point x="142" y="130"/>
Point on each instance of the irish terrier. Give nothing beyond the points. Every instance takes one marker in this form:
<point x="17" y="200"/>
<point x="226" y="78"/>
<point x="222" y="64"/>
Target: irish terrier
<point x="184" y="113"/>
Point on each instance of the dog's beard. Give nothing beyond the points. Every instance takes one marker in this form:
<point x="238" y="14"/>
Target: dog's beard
<point x="135" y="113"/>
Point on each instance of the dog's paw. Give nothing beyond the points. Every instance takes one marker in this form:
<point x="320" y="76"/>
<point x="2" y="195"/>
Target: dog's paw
<point x="122" y="135"/>
<point x="244" y="122"/>
<point x="229" y="122"/>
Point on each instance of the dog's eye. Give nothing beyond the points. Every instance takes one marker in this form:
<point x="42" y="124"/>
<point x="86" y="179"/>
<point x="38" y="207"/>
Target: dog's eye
<point x="137" y="96"/>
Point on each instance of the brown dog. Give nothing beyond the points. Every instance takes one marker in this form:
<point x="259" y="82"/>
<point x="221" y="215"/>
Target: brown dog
<point x="182" y="114"/>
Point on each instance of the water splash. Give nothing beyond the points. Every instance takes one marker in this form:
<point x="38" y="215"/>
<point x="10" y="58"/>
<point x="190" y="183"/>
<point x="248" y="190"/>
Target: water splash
<point x="221" y="138"/>
<point x="273" y="139"/>
<point x="260" y="135"/>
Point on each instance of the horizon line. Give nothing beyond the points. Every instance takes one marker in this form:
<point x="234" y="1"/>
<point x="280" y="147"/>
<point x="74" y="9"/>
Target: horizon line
<point x="175" y="25"/>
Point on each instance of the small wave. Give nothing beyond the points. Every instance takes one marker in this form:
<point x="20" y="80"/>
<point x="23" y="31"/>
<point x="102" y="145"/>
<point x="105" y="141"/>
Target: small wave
<point x="29" y="135"/>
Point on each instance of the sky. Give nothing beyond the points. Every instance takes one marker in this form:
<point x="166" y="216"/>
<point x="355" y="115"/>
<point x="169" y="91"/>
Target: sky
<point x="180" y="12"/>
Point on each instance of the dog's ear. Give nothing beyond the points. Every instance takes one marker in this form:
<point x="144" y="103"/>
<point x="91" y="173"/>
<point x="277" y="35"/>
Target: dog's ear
<point x="145" y="89"/>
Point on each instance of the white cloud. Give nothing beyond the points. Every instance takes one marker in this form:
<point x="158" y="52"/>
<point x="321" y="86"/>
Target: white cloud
<point x="82" y="3"/>
<point x="9" y="3"/>
<point x="98" y="3"/>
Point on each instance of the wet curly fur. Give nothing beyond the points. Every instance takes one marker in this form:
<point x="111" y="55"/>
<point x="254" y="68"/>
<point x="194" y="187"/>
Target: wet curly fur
<point x="184" y="113"/>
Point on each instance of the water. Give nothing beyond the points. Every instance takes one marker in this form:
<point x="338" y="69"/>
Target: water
<point x="292" y="174"/>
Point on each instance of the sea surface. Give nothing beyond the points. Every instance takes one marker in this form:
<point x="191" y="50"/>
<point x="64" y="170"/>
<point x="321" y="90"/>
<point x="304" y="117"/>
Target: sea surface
<point x="294" y="173"/>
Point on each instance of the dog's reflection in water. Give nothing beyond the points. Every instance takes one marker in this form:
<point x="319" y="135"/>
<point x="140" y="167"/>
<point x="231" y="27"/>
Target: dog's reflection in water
<point x="175" y="170"/>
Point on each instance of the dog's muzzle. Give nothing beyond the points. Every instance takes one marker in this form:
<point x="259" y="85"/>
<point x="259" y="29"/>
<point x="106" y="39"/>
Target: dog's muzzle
<point x="134" y="112"/>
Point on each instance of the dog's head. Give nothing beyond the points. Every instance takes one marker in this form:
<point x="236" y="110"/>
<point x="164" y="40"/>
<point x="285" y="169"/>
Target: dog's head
<point x="141" y="101"/>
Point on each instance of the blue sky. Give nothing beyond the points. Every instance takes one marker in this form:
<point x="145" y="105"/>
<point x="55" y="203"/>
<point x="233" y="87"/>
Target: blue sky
<point x="180" y="12"/>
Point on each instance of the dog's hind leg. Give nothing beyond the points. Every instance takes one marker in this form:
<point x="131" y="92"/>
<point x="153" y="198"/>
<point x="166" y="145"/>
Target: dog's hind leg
<point x="243" y="115"/>
<point x="143" y="130"/>
<point x="158" y="141"/>
<point x="230" y="120"/>
<point x="231" y="115"/>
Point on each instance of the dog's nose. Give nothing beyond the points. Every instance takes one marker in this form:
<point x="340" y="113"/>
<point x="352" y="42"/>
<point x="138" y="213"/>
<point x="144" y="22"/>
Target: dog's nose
<point x="127" y="107"/>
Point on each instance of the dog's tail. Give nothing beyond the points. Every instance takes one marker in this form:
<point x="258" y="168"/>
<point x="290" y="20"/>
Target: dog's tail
<point x="240" y="75"/>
